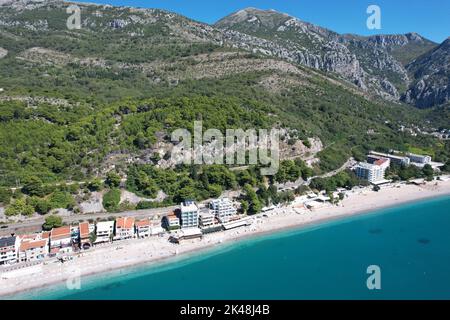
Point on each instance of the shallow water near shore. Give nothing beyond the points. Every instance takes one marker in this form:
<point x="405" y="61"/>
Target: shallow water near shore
<point x="410" y="244"/>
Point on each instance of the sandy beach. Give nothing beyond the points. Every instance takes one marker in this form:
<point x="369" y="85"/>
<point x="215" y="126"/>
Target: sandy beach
<point x="122" y="254"/>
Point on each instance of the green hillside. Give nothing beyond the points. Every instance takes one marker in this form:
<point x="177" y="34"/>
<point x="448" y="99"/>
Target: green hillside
<point x="122" y="83"/>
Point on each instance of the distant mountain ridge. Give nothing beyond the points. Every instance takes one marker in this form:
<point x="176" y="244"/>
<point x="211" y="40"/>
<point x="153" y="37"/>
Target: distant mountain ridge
<point x="374" y="63"/>
<point x="394" y="67"/>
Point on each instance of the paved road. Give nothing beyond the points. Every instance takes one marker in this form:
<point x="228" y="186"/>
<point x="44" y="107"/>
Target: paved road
<point x="349" y="163"/>
<point x="69" y="183"/>
<point x="311" y="157"/>
<point x="35" y="224"/>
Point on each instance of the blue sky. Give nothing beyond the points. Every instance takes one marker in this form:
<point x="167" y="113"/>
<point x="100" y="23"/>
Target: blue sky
<point x="429" y="18"/>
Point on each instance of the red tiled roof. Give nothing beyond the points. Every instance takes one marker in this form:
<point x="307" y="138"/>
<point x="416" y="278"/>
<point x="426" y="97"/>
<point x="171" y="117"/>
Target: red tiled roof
<point x="60" y="233"/>
<point x="46" y="235"/>
<point x="125" y="223"/>
<point x="381" y="161"/>
<point x="172" y="215"/>
<point x="143" y="223"/>
<point x="32" y="245"/>
<point x="84" y="229"/>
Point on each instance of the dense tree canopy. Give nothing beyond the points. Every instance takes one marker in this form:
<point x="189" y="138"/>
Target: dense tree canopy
<point x="52" y="221"/>
<point x="111" y="200"/>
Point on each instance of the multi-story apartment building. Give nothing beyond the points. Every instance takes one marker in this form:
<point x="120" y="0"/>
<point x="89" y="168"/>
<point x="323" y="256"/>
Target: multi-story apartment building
<point x="61" y="240"/>
<point x="419" y="158"/>
<point x="171" y="221"/>
<point x="8" y="250"/>
<point x="34" y="250"/>
<point x="189" y="214"/>
<point x="143" y="228"/>
<point x="370" y="172"/>
<point x="104" y="231"/>
<point x="399" y="160"/>
<point x="223" y="209"/>
<point x="34" y="247"/>
<point x="84" y="235"/>
<point x="379" y="161"/>
<point x="124" y="228"/>
<point x="206" y="219"/>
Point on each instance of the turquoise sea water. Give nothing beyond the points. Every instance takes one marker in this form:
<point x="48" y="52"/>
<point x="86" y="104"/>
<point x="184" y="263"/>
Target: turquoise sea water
<point x="410" y="243"/>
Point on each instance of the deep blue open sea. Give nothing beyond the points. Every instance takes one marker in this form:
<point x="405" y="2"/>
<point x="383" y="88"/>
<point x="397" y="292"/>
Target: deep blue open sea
<point x="410" y="244"/>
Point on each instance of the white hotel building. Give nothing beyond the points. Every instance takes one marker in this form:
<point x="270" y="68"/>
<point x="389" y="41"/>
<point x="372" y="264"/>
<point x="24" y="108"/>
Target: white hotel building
<point x="371" y="172"/>
<point x="223" y="209"/>
<point x="189" y="214"/>
<point x="399" y="160"/>
<point x="206" y="219"/>
<point x="417" y="158"/>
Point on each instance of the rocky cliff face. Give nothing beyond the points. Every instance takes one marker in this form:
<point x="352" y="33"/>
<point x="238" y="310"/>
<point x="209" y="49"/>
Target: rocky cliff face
<point x="3" y="53"/>
<point x="432" y="78"/>
<point x="375" y="64"/>
<point x="389" y="42"/>
<point x="277" y="34"/>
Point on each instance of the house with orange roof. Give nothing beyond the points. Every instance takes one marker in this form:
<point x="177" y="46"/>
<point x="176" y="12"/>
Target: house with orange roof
<point x="143" y="228"/>
<point x="45" y="235"/>
<point x="124" y="228"/>
<point x="35" y="249"/>
<point x="84" y="235"/>
<point x="171" y="221"/>
<point x="61" y="240"/>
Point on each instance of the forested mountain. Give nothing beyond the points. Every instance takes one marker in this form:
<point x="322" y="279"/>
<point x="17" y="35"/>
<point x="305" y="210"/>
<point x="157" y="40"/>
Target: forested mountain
<point x="76" y="102"/>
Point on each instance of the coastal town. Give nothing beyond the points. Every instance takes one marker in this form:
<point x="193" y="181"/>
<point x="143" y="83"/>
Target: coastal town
<point x="254" y="150"/>
<point x="187" y="222"/>
<point x="195" y="225"/>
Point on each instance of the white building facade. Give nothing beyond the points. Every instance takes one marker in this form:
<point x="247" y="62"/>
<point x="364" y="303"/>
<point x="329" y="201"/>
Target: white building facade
<point x="143" y="228"/>
<point x="370" y="172"/>
<point x="171" y="221"/>
<point x="61" y="240"/>
<point x="34" y="250"/>
<point x="206" y="219"/>
<point x="104" y="231"/>
<point x="223" y="209"/>
<point x="124" y="228"/>
<point x="189" y="215"/>
<point x="399" y="160"/>
<point x="419" y="158"/>
<point x="8" y="250"/>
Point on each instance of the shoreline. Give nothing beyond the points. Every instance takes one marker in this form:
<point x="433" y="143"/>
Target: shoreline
<point x="115" y="257"/>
